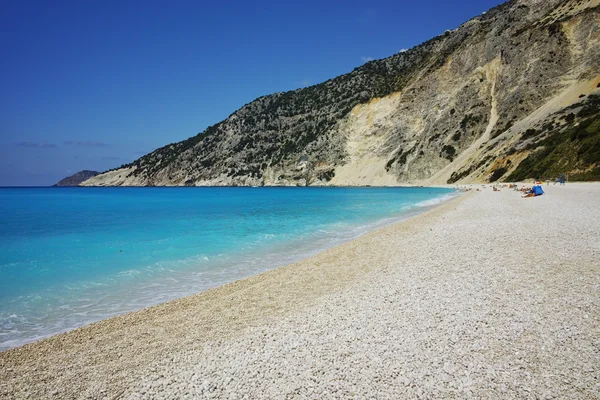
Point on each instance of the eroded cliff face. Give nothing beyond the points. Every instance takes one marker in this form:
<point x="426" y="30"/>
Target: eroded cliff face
<point x="453" y="109"/>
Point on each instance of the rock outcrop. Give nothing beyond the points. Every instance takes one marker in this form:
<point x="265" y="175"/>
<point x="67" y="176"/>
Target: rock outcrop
<point x="78" y="178"/>
<point x="453" y="109"/>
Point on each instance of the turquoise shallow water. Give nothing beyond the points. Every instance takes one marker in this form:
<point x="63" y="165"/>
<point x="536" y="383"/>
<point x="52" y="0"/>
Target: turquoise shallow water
<point x="71" y="256"/>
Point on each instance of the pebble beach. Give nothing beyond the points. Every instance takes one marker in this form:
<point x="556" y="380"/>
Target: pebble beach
<point x="488" y="295"/>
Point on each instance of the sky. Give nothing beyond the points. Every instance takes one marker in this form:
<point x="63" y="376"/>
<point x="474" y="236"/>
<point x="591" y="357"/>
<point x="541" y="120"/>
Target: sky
<point x="97" y="84"/>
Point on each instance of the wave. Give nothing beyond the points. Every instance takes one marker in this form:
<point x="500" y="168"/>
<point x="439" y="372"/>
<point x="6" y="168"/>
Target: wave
<point x="435" y="201"/>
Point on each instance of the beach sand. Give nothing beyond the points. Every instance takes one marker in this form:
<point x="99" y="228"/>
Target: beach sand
<point x="487" y="296"/>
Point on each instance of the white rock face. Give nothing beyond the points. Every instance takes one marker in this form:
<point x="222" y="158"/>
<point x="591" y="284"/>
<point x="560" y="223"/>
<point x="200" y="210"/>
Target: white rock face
<point x="367" y="131"/>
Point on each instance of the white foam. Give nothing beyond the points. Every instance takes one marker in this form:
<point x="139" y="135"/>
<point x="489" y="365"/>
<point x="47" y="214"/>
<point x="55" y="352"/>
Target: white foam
<point x="435" y="201"/>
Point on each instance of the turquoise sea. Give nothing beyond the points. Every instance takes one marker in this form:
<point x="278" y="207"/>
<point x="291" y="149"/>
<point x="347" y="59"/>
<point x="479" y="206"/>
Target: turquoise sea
<point x="71" y="256"/>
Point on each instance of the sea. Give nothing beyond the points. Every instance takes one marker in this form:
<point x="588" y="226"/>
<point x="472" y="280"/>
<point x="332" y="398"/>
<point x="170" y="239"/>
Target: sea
<point x="72" y="256"/>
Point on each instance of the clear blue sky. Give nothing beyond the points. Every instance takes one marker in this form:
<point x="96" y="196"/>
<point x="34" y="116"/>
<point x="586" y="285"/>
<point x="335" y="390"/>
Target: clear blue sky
<point x="96" y="84"/>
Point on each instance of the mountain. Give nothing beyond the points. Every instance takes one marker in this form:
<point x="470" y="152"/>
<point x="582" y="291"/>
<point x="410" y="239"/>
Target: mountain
<point x="78" y="178"/>
<point x="499" y="97"/>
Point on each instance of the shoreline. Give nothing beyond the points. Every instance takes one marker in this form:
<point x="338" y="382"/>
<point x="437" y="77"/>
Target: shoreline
<point x="279" y="255"/>
<point x="127" y="355"/>
<point x="109" y="330"/>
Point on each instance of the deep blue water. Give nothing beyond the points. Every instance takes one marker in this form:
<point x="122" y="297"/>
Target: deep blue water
<point x="70" y="256"/>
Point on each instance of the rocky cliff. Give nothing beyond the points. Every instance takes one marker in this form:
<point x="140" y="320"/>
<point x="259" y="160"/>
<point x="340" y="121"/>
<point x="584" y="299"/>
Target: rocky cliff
<point x="457" y="108"/>
<point x="76" y="179"/>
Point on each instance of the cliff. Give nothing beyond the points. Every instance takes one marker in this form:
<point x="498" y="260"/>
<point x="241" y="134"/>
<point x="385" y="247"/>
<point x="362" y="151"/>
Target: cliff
<point x="76" y="179"/>
<point x="456" y="108"/>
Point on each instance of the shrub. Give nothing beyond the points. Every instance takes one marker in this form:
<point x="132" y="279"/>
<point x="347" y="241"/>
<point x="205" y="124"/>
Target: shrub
<point x="448" y="152"/>
<point x="327" y="175"/>
<point x="456" y="176"/>
<point x="497" y="174"/>
<point x="529" y="133"/>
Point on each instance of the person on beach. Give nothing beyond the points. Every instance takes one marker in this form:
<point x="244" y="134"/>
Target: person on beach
<point x="535" y="191"/>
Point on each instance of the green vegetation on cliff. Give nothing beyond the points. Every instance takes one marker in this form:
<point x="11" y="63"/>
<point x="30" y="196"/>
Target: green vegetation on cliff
<point x="572" y="148"/>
